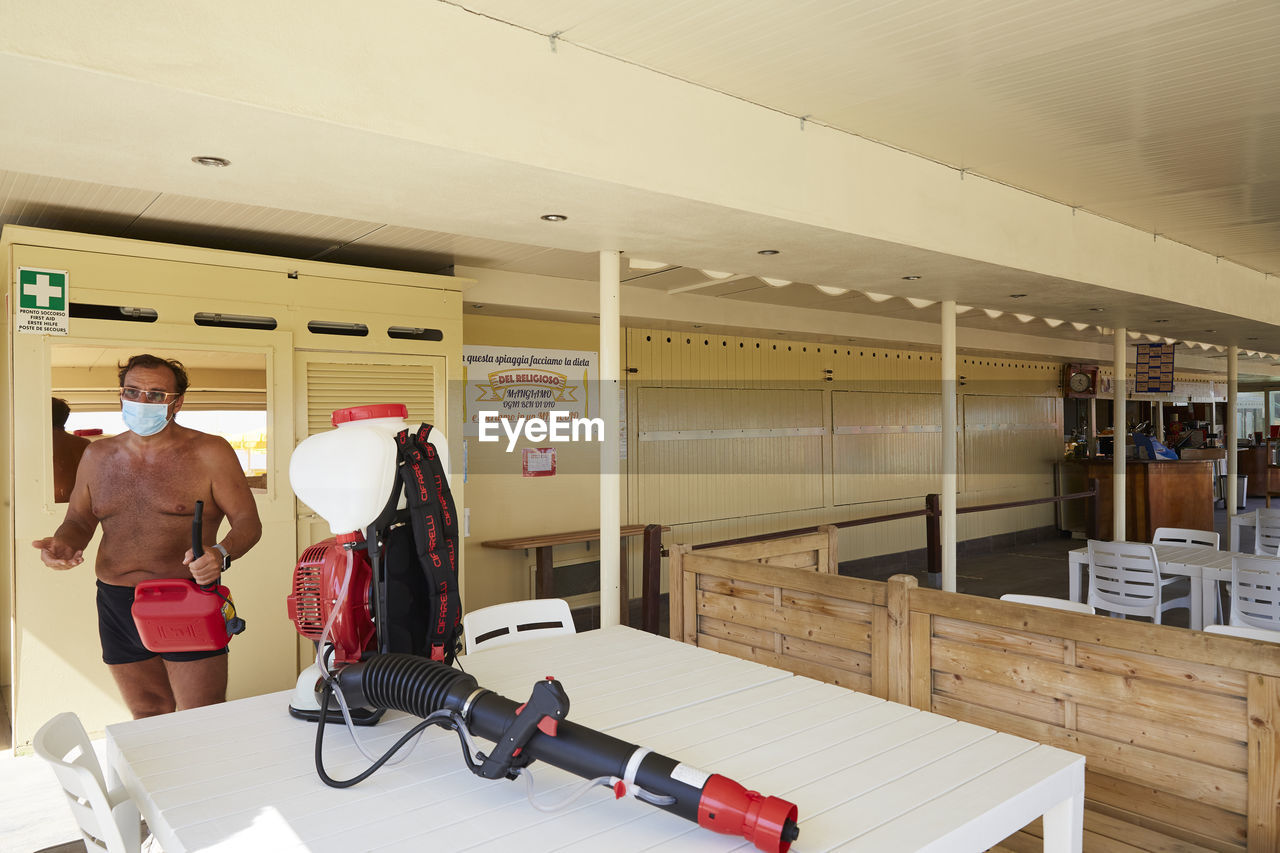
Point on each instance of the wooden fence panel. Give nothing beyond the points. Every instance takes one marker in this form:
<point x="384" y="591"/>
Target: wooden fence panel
<point x="803" y="619"/>
<point x="1180" y="751"/>
<point x="1180" y="729"/>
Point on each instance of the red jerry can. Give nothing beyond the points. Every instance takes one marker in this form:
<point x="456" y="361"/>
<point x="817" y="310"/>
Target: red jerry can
<point x="175" y="615"/>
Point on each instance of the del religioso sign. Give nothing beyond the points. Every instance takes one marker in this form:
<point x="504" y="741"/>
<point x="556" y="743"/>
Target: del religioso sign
<point x="523" y="382"/>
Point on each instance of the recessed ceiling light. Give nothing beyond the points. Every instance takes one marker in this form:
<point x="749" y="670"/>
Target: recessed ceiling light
<point x="554" y="217"/>
<point x="697" y="325"/>
<point x="1097" y="309"/>
<point x="1251" y="339"/>
<point x="910" y="278"/>
<point x="1159" y="321"/>
<point x="1016" y="295"/>
<point x="1210" y="331"/>
<point x="768" y="252"/>
<point x="476" y="305"/>
<point x="216" y="162"/>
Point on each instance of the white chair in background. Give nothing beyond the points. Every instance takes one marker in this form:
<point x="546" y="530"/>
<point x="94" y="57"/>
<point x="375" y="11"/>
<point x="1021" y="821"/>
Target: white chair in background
<point x="1255" y="593"/>
<point x="108" y="819"/>
<point x="1125" y="580"/>
<point x="1186" y="536"/>
<point x="1191" y="536"/>
<point x="1266" y="532"/>
<point x="1046" y="601"/>
<point x="1267" y="636"/>
<point x="503" y="624"/>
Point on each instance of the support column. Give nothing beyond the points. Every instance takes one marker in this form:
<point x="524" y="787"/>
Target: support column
<point x="1158" y="416"/>
<point x="948" y="493"/>
<point x="610" y="482"/>
<point x="1120" y="434"/>
<point x="1093" y="426"/>
<point x="1229" y="440"/>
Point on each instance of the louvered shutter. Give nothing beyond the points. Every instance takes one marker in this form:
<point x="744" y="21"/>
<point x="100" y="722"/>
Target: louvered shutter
<point x="333" y="386"/>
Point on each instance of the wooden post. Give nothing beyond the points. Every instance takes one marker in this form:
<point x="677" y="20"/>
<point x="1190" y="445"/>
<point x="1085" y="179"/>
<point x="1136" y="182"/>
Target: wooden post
<point x="545" y="582"/>
<point x="933" y="537"/>
<point x="1091" y="524"/>
<point x="1263" y="701"/>
<point x="920" y="677"/>
<point x="651" y="582"/>
<point x="833" y="548"/>
<point x="898" y="641"/>
<point x="675" y="591"/>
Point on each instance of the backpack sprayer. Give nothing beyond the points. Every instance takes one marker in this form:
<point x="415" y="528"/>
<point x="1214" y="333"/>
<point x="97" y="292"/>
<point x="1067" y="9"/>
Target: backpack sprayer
<point x="179" y="615"/>
<point x="341" y="599"/>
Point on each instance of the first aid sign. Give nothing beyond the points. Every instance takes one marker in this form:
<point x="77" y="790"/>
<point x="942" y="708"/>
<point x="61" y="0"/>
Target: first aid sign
<point x="42" y="301"/>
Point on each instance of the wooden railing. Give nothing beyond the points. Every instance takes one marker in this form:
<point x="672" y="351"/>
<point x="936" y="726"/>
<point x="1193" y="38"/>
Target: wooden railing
<point x="932" y="513"/>
<point x="651" y="556"/>
<point x="1180" y="729"/>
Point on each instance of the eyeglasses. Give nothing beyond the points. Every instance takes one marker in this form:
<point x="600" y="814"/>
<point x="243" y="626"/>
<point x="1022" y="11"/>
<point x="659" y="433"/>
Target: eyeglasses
<point x="137" y="395"/>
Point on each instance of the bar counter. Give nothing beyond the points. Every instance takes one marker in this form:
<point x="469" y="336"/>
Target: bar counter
<point x="1158" y="493"/>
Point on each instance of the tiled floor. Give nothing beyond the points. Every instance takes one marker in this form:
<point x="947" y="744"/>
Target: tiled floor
<point x="33" y="815"/>
<point x="33" y="810"/>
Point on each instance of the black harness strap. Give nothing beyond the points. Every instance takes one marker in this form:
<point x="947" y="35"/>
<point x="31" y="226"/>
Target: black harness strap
<point x="433" y="517"/>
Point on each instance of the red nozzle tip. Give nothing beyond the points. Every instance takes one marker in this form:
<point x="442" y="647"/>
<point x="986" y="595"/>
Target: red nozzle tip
<point x="767" y="822"/>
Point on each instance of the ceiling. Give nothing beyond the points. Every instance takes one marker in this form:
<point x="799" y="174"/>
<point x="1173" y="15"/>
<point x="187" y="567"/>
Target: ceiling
<point x="1158" y="115"/>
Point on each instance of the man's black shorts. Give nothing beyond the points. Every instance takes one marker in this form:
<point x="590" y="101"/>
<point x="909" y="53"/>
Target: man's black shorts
<point x="119" y="634"/>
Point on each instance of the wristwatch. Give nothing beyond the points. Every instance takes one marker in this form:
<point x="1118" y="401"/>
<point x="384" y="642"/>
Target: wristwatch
<point x="226" y="558"/>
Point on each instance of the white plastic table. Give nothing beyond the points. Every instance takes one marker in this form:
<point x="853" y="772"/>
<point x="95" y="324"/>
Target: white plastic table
<point x="866" y="774"/>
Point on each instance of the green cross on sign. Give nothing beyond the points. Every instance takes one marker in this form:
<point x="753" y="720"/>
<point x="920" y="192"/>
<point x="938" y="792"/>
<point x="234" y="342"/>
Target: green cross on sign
<point x="42" y="289"/>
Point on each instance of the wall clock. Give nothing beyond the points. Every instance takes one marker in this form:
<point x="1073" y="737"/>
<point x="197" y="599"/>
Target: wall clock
<point x="1082" y="380"/>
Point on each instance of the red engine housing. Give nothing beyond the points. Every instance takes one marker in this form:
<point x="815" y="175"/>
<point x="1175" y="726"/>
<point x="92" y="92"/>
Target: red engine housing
<point x="317" y="582"/>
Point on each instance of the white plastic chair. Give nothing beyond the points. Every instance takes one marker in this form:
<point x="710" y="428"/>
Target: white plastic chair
<point x="1191" y="536"/>
<point x="1186" y="536"/>
<point x="1264" y="634"/>
<point x="1046" y="601"/>
<point x="1266" y="532"/>
<point x="108" y="820"/>
<point x="1255" y="593"/>
<point x="1125" y="580"/>
<point x="503" y="624"/>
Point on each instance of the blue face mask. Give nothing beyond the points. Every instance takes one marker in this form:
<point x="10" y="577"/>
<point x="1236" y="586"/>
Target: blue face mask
<point x="144" y="418"/>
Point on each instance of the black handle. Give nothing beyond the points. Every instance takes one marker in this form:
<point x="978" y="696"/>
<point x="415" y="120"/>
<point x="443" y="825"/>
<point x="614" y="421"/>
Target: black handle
<point x="197" y="531"/>
<point x="197" y="538"/>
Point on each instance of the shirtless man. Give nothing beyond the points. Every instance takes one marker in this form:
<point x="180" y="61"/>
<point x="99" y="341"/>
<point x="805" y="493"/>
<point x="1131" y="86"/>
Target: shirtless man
<point x="142" y="486"/>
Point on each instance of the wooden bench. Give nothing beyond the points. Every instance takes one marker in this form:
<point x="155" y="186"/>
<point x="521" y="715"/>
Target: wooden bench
<point x="542" y="546"/>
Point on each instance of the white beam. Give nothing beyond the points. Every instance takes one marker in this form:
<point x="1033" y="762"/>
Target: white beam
<point x="1120" y="433"/>
<point x="949" y="446"/>
<point x="610" y="486"/>
<point x="1092" y="446"/>
<point x="1229" y="440"/>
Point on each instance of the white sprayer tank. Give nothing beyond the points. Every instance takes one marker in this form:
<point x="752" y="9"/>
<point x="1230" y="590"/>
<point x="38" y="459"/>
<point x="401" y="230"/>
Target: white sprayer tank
<point x="346" y="474"/>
